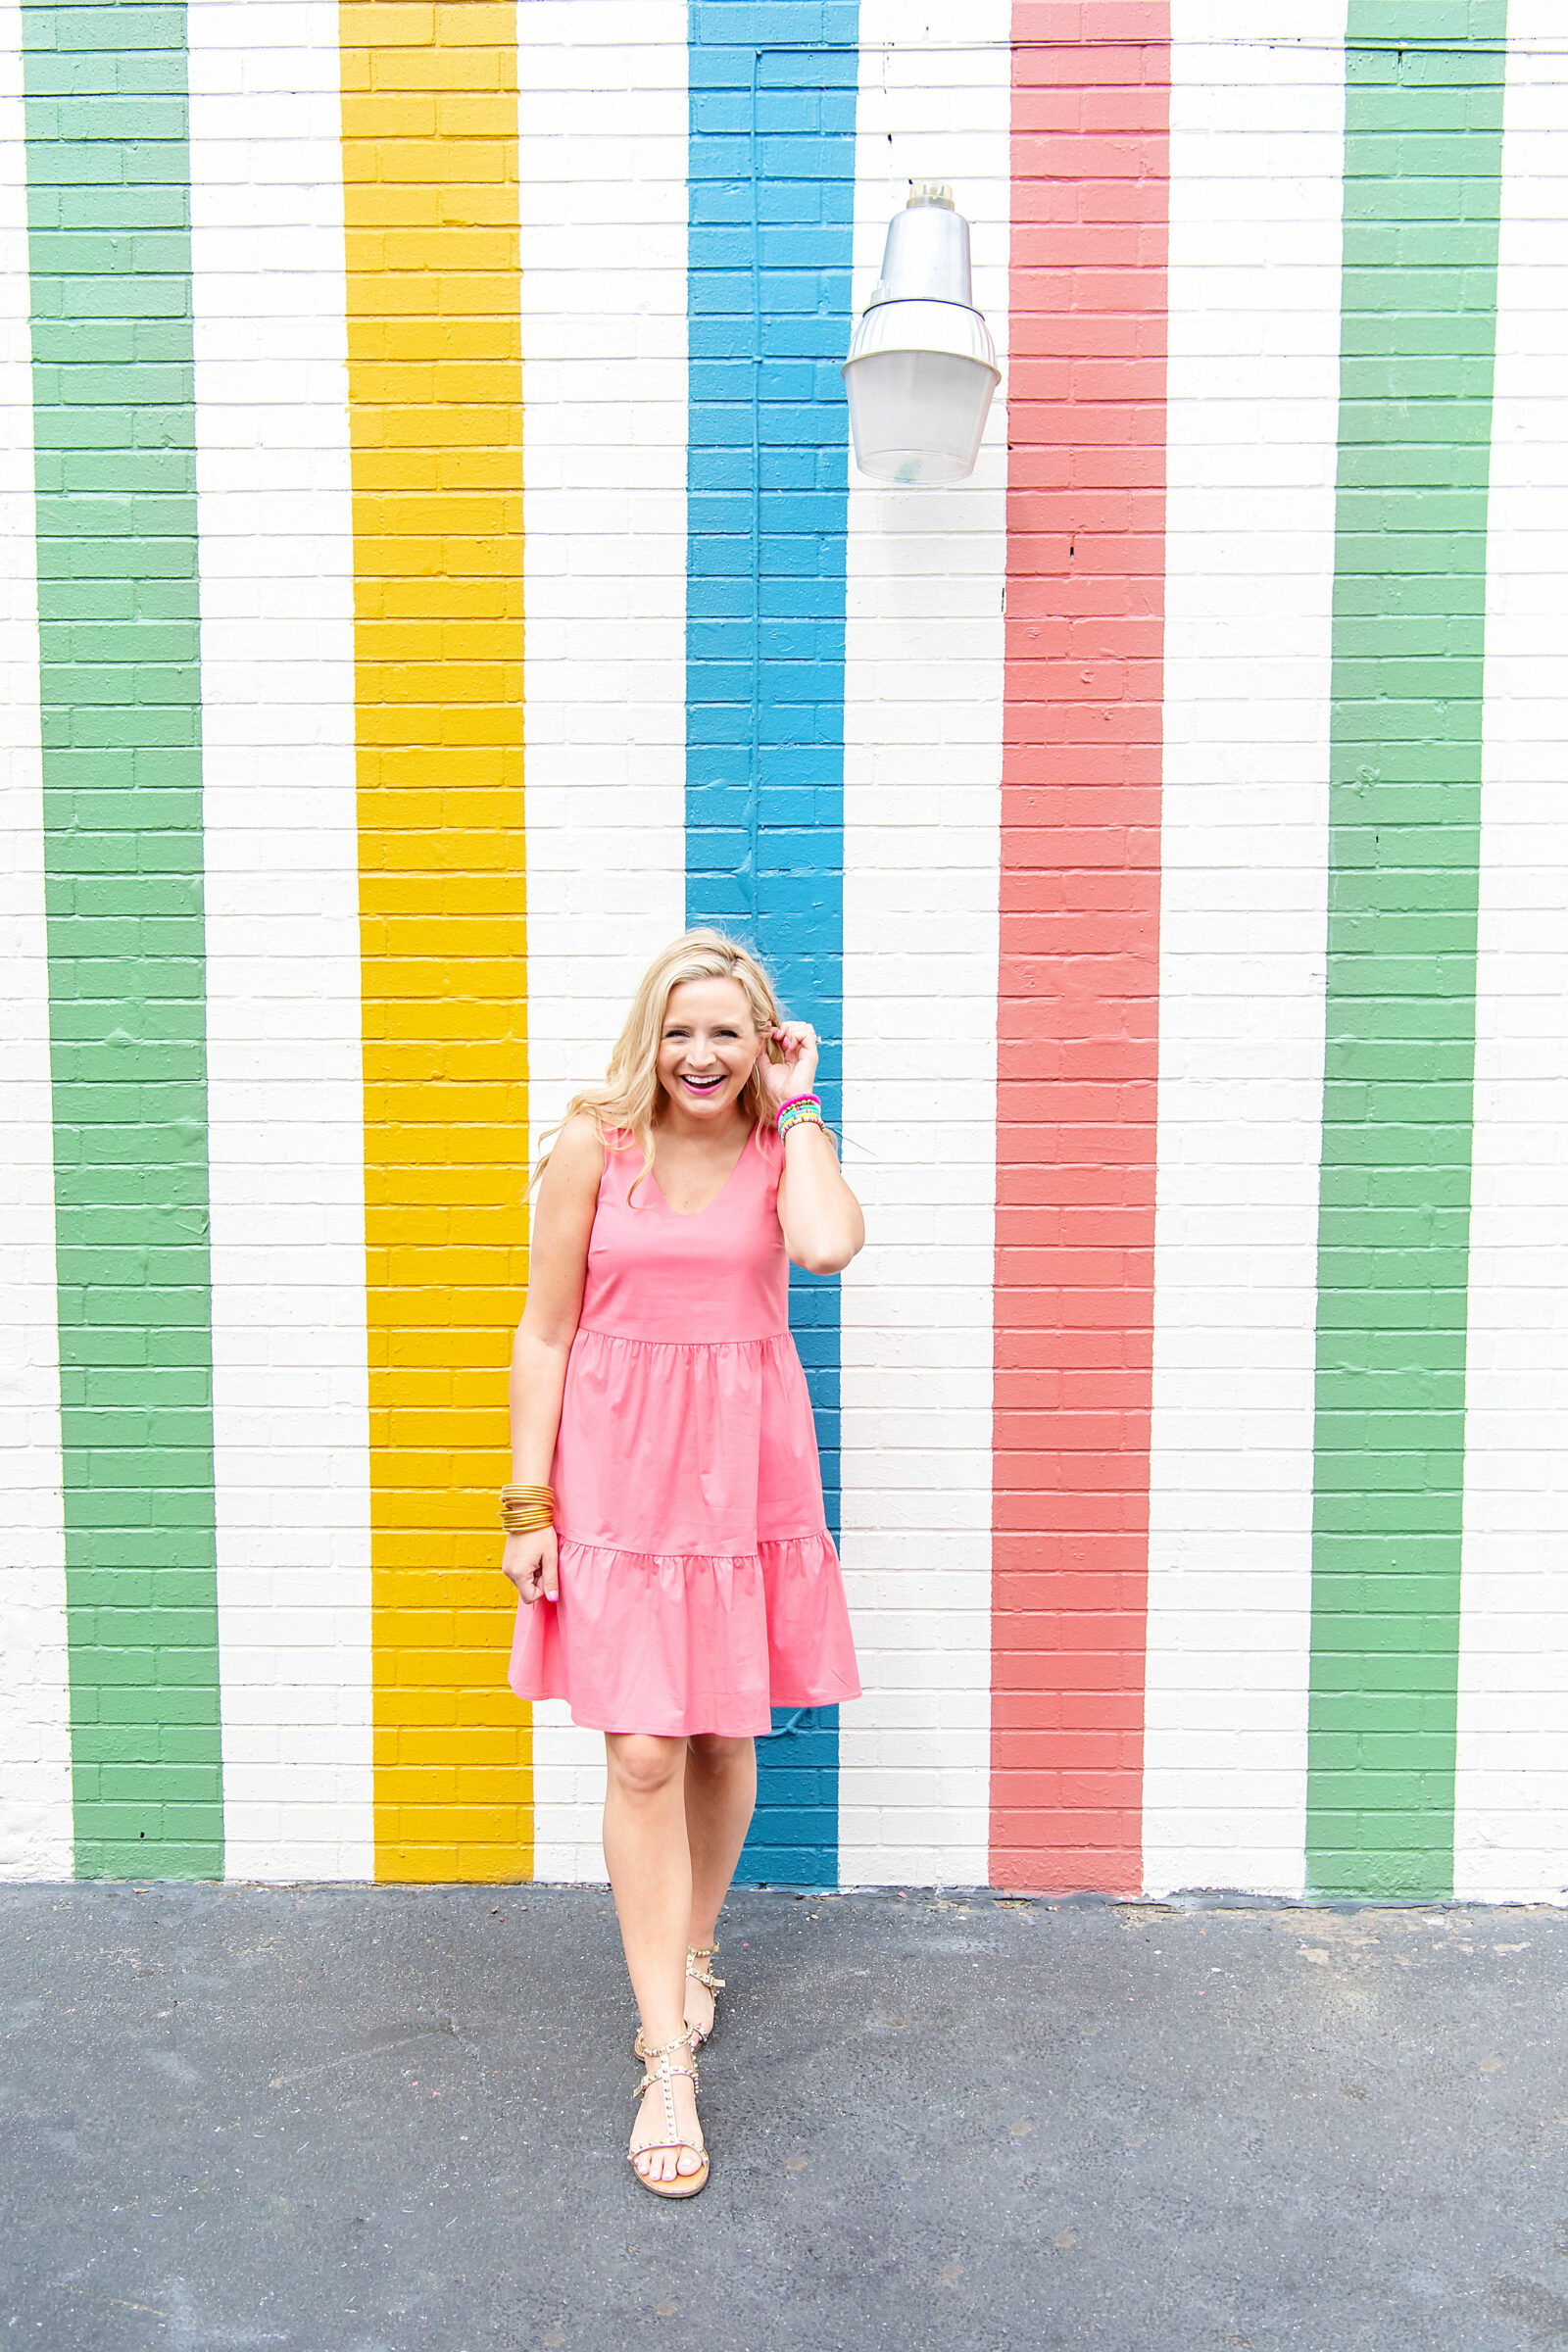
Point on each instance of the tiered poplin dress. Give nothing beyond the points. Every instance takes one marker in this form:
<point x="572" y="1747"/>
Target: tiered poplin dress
<point x="699" y="1583"/>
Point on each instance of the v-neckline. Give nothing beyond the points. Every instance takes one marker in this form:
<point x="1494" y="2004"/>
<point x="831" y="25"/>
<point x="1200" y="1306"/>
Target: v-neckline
<point x="686" y="1214"/>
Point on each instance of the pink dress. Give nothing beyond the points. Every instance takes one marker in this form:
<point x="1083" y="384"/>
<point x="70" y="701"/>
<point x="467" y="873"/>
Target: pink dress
<point x="699" y="1583"/>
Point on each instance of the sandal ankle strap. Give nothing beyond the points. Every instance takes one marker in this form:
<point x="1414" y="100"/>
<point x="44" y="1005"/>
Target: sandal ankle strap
<point x="655" y="2082"/>
<point x="663" y="2057"/>
<point x="702" y="1975"/>
<point x="681" y="2042"/>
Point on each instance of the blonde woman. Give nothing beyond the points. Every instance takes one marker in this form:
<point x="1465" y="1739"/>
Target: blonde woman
<point x="666" y="1527"/>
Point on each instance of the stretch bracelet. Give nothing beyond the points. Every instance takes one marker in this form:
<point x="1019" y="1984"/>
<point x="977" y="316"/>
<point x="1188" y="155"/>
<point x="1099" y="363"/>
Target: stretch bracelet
<point x="523" y="1508"/>
<point x="804" y="1111"/>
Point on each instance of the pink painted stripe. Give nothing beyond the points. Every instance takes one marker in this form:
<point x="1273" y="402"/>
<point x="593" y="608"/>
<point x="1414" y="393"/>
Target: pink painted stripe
<point x="1078" y="996"/>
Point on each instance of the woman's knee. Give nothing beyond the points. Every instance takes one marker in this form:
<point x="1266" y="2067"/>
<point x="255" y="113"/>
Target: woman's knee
<point x="640" y="1764"/>
<point x="715" y="1753"/>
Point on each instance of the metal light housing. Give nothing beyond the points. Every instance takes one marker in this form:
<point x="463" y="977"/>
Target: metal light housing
<point x="922" y="367"/>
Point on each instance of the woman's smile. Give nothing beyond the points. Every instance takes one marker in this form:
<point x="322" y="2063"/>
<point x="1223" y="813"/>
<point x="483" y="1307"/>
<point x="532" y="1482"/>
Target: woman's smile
<point x="707" y="1049"/>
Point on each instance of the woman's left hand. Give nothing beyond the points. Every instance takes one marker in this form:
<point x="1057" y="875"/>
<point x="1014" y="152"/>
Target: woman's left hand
<point x="796" y="1074"/>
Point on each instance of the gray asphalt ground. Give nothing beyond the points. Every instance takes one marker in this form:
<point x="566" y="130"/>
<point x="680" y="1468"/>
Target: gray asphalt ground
<point x="394" y="2120"/>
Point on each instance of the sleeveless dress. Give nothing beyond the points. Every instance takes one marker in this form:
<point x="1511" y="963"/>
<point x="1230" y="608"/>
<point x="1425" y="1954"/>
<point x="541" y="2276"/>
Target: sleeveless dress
<point x="699" y="1583"/>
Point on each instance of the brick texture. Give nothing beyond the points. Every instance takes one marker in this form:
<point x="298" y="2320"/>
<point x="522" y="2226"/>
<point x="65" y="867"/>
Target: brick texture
<point x="121" y="685"/>
<point x="1078" y="1010"/>
<point x="429" y="166"/>
<point x="1026" y="867"/>
<point x="767" y="475"/>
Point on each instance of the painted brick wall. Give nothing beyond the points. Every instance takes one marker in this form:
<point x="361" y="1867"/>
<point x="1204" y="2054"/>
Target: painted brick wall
<point x="1078" y="998"/>
<point x="1253" y="372"/>
<point x="435" y="367"/>
<point x="772" y="193"/>
<point x="106" y="127"/>
<point x="1417" y="352"/>
<point x="284" y="1016"/>
<point x="923" y="706"/>
<point x="437" y="569"/>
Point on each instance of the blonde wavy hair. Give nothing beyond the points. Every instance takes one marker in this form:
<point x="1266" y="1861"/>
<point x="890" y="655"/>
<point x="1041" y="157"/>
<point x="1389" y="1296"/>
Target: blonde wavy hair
<point x="628" y="1099"/>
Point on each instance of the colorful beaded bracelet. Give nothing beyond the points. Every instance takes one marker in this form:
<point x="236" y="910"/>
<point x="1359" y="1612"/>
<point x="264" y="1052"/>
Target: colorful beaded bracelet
<point x="802" y="1111"/>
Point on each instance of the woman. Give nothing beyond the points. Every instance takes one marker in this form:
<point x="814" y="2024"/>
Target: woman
<point x="660" y="1419"/>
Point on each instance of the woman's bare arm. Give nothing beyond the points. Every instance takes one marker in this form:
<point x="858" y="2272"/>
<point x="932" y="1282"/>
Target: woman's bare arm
<point x="824" y="1228"/>
<point x="557" y="1266"/>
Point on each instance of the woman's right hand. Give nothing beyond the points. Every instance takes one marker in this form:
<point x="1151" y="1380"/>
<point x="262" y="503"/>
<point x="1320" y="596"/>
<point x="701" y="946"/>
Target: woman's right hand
<point x="530" y="1562"/>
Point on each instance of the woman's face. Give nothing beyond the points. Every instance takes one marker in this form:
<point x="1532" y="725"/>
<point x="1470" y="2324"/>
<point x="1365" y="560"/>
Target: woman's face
<point x="708" y="1047"/>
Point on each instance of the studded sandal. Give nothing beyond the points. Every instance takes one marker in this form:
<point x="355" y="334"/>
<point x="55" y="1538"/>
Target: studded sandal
<point x="663" y="2065"/>
<point x="697" y="1976"/>
<point x="697" y="1955"/>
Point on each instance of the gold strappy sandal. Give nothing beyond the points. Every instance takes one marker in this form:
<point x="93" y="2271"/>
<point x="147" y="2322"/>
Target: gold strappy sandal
<point x="663" y="2066"/>
<point x="704" y="1974"/>
<point x="699" y="1976"/>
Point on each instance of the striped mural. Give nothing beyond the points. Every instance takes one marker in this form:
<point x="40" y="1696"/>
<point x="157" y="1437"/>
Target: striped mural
<point x="436" y="571"/>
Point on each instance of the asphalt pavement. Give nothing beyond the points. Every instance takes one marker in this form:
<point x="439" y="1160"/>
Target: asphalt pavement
<point x="394" y="2119"/>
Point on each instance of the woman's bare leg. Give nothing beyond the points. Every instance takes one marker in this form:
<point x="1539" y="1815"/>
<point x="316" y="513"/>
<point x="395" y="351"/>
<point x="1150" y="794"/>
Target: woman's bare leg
<point x="650" y="1868"/>
<point x="720" y="1798"/>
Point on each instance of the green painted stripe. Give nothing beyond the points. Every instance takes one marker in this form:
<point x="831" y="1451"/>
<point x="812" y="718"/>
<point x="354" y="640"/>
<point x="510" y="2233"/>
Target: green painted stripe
<point x="109" y="213"/>
<point x="1423" y="163"/>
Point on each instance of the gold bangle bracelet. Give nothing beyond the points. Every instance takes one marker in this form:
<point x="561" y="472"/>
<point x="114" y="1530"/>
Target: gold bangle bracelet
<point x="524" y="1508"/>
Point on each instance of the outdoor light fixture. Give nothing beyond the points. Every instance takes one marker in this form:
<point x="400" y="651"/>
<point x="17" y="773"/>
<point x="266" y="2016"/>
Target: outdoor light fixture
<point x="921" y="367"/>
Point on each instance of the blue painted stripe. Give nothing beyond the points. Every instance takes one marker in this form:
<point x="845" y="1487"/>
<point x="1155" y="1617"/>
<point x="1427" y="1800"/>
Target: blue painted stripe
<point x="772" y="204"/>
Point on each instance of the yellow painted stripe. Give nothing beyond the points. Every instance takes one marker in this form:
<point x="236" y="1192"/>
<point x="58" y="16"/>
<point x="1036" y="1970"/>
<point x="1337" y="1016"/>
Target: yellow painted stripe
<point x="435" y="391"/>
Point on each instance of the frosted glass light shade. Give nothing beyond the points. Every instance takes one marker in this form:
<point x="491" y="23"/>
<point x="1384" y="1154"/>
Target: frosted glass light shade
<point x="922" y="367"/>
<point x="916" y="416"/>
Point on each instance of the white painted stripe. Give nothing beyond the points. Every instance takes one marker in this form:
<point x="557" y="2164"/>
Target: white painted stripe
<point x="1511" y="1784"/>
<point x="35" y="1812"/>
<point x="286" y="1103"/>
<point x="1256" y="159"/>
<point x="603" y="143"/>
<point x="922" y="805"/>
